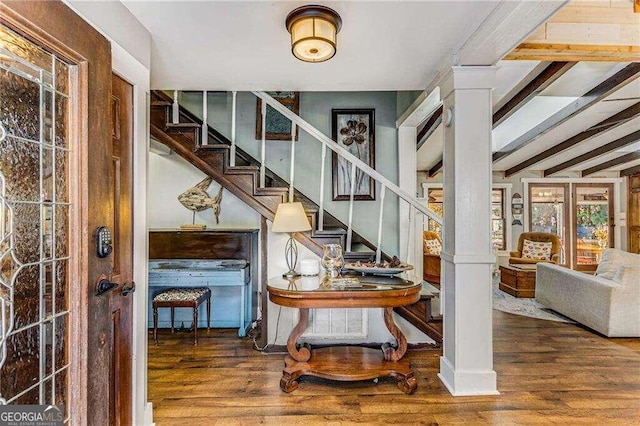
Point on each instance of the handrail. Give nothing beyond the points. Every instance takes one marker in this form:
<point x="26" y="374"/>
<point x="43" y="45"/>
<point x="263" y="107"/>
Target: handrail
<point x="326" y="141"/>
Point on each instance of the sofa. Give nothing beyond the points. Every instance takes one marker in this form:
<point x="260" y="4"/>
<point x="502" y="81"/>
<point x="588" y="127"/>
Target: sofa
<point x="608" y="302"/>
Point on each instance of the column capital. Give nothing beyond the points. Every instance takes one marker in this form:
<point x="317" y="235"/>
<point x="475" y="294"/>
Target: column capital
<point x="469" y="77"/>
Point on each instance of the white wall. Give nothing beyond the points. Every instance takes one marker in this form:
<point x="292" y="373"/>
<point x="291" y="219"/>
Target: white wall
<point x="170" y="176"/>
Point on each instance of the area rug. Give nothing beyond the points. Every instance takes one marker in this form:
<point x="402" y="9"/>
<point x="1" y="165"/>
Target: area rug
<point x="523" y="306"/>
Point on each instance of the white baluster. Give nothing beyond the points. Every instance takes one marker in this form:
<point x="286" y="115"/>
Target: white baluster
<point x="411" y="232"/>
<point x="205" y="112"/>
<point x="351" y="196"/>
<point x="175" y="117"/>
<point x="293" y="162"/>
<point x="380" y="217"/>
<point x="263" y="151"/>
<point x="232" y="154"/>
<point x="321" y="212"/>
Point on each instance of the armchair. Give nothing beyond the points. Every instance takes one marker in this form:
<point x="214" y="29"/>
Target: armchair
<point x="538" y="237"/>
<point x="431" y="260"/>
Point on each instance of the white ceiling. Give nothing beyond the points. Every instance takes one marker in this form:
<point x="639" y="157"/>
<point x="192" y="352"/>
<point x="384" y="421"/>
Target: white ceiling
<point x="244" y="45"/>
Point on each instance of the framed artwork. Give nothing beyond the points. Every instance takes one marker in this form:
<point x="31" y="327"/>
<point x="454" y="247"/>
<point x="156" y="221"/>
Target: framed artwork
<point x="354" y="130"/>
<point x="278" y="127"/>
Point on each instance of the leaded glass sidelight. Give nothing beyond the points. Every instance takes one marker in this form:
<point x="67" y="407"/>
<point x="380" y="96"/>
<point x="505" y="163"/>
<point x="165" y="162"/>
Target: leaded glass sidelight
<point x="34" y="218"/>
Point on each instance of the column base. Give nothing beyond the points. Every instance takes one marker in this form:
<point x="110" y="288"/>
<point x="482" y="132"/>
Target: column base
<point x="467" y="383"/>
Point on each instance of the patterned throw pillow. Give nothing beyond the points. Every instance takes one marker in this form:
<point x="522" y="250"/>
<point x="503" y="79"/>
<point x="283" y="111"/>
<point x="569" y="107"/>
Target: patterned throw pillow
<point x="536" y="251"/>
<point x="432" y="247"/>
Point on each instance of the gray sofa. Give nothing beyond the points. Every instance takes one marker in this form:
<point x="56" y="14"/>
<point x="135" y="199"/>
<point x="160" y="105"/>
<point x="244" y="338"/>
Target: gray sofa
<point x="608" y="302"/>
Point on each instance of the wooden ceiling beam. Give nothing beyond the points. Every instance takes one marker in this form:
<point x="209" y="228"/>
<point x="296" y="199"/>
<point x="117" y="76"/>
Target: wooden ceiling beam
<point x="601" y="150"/>
<point x="596" y="94"/>
<point x="627" y="158"/>
<point x="610" y="123"/>
<point x="543" y="80"/>
<point x="574" y="52"/>
<point x="430" y="126"/>
<point x="635" y="170"/>
<point x="436" y="168"/>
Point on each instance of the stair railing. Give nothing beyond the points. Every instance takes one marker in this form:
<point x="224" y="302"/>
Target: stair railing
<point x="356" y="163"/>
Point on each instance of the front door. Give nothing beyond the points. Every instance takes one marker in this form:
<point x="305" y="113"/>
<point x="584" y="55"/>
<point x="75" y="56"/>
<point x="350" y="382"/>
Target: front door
<point x="122" y="299"/>
<point x="58" y="334"/>
<point x="633" y="215"/>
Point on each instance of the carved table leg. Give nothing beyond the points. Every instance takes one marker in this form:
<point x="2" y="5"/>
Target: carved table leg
<point x="303" y="353"/>
<point x="390" y="353"/>
<point x="288" y="384"/>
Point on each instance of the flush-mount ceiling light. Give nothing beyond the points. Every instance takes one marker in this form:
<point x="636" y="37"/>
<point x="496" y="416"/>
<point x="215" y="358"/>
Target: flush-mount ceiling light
<point x="313" y="31"/>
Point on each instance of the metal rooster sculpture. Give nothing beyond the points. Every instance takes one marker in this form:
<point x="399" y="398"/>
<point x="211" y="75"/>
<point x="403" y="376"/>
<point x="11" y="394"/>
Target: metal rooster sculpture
<point x="197" y="199"/>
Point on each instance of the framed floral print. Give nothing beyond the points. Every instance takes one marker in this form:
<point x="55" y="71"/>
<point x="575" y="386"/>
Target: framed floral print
<point x="278" y="127"/>
<point x="354" y="130"/>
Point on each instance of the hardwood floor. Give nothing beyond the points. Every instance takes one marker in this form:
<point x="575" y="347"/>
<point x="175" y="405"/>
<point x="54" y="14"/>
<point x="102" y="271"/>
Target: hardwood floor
<point x="548" y="372"/>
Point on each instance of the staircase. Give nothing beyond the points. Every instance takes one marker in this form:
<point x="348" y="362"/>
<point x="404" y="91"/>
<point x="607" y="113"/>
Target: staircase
<point x="243" y="180"/>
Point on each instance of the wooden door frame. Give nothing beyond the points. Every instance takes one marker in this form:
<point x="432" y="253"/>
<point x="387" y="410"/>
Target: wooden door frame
<point x="568" y="242"/>
<point x="56" y="26"/>
<point x="574" y="208"/>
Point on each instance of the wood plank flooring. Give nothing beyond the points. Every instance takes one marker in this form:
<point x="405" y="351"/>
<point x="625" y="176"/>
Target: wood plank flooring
<point x="548" y="373"/>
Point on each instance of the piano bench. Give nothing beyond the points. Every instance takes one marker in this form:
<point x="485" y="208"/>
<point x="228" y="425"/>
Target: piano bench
<point x="182" y="298"/>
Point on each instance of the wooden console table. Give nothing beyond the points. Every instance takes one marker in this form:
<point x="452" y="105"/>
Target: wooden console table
<point x="345" y="363"/>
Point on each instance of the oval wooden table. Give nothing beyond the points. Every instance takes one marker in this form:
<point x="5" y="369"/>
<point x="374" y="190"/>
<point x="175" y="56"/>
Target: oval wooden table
<point x="345" y="363"/>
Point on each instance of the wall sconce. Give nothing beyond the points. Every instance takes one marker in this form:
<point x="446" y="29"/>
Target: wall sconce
<point x="313" y="30"/>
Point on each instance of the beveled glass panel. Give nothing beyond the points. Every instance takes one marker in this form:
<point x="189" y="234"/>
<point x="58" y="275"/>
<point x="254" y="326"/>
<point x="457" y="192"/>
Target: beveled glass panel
<point x="61" y="385"/>
<point x="47" y="232"/>
<point x="47" y="174"/>
<point x="26" y="297"/>
<point x="60" y="285"/>
<point x="60" y="327"/>
<point x="49" y="349"/>
<point x="61" y="227"/>
<point x="24" y="49"/>
<point x="62" y="120"/>
<point x="21" y="368"/>
<point x="61" y="176"/>
<point x="48" y="391"/>
<point x="20" y="166"/>
<point x="48" y="289"/>
<point x="26" y="228"/>
<point x="47" y="104"/>
<point x="62" y="77"/>
<point x="19" y="106"/>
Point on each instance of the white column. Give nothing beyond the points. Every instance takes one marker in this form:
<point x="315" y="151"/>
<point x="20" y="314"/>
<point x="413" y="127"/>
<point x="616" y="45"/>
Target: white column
<point x="466" y="367"/>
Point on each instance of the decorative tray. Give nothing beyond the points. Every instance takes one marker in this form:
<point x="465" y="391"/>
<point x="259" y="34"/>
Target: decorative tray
<point x="376" y="270"/>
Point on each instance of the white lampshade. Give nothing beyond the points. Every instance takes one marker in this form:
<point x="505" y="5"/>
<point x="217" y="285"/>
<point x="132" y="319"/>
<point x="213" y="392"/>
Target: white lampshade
<point x="290" y="217"/>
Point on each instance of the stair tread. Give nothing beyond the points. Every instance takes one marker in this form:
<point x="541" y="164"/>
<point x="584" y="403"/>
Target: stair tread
<point x="249" y="167"/>
<point x="211" y="146"/>
<point x="328" y="232"/>
<point x="160" y="103"/>
<point x="183" y="125"/>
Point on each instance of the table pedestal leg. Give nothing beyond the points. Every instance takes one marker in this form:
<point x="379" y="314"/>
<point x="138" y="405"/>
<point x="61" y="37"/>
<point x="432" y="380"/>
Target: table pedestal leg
<point x="391" y="353"/>
<point x="304" y="352"/>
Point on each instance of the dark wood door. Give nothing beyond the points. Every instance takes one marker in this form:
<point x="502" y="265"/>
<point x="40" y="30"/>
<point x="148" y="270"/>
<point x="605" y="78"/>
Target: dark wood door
<point x="121" y="299"/>
<point x="80" y="195"/>
<point x="633" y="214"/>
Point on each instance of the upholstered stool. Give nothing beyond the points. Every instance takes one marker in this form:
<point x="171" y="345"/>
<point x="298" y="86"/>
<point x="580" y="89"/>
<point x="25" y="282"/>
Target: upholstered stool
<point x="181" y="298"/>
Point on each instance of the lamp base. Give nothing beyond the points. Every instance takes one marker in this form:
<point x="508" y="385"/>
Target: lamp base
<point x="290" y="274"/>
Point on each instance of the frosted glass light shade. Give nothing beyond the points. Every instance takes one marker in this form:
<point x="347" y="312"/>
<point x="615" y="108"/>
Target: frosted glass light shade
<point x="314" y="32"/>
<point x="290" y="217"/>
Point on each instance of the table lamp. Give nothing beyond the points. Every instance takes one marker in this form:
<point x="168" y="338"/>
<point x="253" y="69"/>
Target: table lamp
<point x="290" y="218"/>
